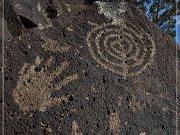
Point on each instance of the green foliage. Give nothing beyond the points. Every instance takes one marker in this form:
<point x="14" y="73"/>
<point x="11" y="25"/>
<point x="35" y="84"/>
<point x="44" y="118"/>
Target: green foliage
<point x="162" y="12"/>
<point x="141" y="4"/>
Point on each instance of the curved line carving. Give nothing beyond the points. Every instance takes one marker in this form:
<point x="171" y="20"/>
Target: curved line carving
<point x="122" y="49"/>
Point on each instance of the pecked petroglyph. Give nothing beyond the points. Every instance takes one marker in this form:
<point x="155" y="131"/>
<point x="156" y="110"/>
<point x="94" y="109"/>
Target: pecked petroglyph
<point x="55" y="46"/>
<point x="68" y="7"/>
<point x="75" y="129"/>
<point x="114" y="123"/>
<point x="18" y="6"/>
<point x="119" y="100"/>
<point x="143" y="133"/>
<point x="121" y="48"/>
<point x="34" y="88"/>
<point x="135" y="105"/>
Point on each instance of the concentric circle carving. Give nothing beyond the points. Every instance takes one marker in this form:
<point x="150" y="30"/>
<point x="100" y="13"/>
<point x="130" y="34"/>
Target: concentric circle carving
<point x="121" y="48"/>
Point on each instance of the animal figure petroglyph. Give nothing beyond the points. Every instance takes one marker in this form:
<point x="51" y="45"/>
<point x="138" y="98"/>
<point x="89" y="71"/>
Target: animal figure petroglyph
<point x="34" y="88"/>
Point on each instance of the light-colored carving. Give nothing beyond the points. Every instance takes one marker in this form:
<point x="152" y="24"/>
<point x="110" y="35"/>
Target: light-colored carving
<point x="38" y="60"/>
<point x="75" y="129"/>
<point x="39" y="6"/>
<point x="55" y="46"/>
<point x="119" y="100"/>
<point x="122" y="49"/>
<point x="143" y="133"/>
<point x="93" y="89"/>
<point x="117" y="46"/>
<point x="49" y="23"/>
<point x="135" y="105"/>
<point x="49" y="130"/>
<point x="46" y="128"/>
<point x="114" y="123"/>
<point x="49" y="62"/>
<point x="34" y="88"/>
<point x="68" y="7"/>
<point x="18" y="6"/>
<point x="70" y="28"/>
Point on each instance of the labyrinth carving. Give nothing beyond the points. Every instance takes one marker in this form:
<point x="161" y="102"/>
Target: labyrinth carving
<point x="121" y="48"/>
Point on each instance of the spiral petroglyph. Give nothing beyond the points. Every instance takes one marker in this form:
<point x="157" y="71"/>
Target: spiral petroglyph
<point x="121" y="48"/>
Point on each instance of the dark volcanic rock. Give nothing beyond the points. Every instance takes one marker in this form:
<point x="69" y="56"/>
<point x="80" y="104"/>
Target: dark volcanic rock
<point x="25" y="14"/>
<point x="102" y="69"/>
<point x="12" y="25"/>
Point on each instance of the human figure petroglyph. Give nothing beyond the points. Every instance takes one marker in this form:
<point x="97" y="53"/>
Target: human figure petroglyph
<point x="34" y="88"/>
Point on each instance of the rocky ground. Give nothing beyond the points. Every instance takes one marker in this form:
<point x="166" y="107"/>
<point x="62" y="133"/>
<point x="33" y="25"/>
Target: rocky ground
<point x="87" y="68"/>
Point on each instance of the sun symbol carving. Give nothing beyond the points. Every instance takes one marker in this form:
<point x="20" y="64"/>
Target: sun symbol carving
<point x="121" y="48"/>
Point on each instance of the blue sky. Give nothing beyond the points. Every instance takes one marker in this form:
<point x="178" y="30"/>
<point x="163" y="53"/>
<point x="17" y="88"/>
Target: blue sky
<point x="177" y="23"/>
<point x="178" y="29"/>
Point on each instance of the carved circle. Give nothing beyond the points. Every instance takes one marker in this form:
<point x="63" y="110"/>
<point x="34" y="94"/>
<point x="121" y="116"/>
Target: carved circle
<point x="123" y="48"/>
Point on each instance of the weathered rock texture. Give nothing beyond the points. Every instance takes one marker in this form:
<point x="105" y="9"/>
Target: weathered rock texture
<point x="89" y="69"/>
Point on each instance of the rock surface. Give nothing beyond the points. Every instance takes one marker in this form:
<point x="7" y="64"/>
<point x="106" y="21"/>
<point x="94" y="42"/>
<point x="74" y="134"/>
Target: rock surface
<point x="86" y="68"/>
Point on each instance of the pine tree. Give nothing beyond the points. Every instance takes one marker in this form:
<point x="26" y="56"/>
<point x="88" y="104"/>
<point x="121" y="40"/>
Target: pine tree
<point x="161" y="12"/>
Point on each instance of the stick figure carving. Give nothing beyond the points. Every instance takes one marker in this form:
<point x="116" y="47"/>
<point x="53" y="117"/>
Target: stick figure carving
<point x="34" y="88"/>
